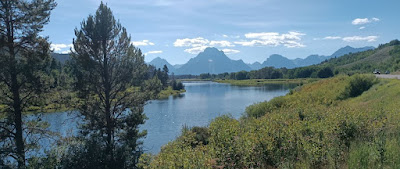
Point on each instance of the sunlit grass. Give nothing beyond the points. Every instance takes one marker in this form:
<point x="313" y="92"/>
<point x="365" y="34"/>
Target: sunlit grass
<point x="312" y="127"/>
<point x="258" y="82"/>
<point x="170" y="92"/>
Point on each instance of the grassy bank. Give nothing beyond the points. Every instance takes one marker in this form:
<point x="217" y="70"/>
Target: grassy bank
<point x="342" y="122"/>
<point x="258" y="82"/>
<point x="170" y="92"/>
<point x="56" y="101"/>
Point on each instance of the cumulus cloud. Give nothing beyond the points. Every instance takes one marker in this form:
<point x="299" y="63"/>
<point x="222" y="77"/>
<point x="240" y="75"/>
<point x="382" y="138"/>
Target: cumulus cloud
<point x="230" y="51"/>
<point x="362" y="21"/>
<point x="332" y="37"/>
<point x="360" y="38"/>
<point x="196" y="50"/>
<point x="197" y="45"/>
<point x="142" y="43"/>
<point x="290" y="39"/>
<point x="195" y="42"/>
<point x="61" y="48"/>
<point x="222" y="43"/>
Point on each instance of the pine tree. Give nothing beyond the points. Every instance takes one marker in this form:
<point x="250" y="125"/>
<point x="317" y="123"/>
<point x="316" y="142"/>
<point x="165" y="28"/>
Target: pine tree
<point x="24" y="57"/>
<point x="110" y="78"/>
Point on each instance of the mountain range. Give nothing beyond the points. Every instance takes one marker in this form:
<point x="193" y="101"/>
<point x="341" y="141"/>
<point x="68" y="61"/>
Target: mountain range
<point x="214" y="61"/>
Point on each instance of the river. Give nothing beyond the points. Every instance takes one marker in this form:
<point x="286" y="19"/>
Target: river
<point x="202" y="102"/>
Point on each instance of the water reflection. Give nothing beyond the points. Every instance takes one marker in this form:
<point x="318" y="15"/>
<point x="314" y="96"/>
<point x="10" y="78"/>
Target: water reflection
<point x="202" y="102"/>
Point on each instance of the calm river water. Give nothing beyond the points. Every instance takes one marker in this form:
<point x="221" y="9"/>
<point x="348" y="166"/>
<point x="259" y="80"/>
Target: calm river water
<point x="202" y="102"/>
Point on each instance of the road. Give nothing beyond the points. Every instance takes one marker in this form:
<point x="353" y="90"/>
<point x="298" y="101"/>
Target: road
<point x="388" y="76"/>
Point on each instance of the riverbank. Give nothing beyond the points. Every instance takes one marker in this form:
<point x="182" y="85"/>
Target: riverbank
<point x="340" y="122"/>
<point x="170" y="92"/>
<point x="258" y="82"/>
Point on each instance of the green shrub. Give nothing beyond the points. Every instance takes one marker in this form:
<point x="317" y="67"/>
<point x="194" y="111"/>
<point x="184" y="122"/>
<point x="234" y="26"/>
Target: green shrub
<point x="202" y="135"/>
<point x="325" y="73"/>
<point x="260" y="109"/>
<point x="357" y="85"/>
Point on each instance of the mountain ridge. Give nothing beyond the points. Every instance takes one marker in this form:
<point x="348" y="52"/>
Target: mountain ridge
<point x="214" y="61"/>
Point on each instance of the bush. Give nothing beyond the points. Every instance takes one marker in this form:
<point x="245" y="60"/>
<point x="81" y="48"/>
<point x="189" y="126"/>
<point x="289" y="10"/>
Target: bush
<point x="177" y="85"/>
<point x="357" y="85"/>
<point x="260" y="109"/>
<point x="202" y="135"/>
<point x="325" y="73"/>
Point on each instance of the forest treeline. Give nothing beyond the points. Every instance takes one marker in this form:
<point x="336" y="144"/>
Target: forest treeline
<point x="385" y="58"/>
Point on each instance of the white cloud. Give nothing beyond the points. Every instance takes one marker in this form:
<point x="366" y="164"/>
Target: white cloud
<point x="362" y="21"/>
<point x="197" y="45"/>
<point x="232" y="36"/>
<point x="230" y="51"/>
<point x="290" y="39"/>
<point x="332" y="37"/>
<point x="222" y="43"/>
<point x="61" y="48"/>
<point x="360" y="38"/>
<point x="142" y="43"/>
<point x="362" y="27"/>
<point x="155" y="52"/>
<point x="196" y="50"/>
<point x="195" y="42"/>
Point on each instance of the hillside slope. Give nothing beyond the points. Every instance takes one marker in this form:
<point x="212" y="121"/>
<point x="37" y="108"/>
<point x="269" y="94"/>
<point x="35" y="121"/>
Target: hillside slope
<point x="385" y="57"/>
<point x="312" y="127"/>
<point x="279" y="61"/>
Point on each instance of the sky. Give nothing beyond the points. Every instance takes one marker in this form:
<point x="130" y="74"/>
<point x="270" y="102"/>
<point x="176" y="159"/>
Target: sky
<point x="251" y="30"/>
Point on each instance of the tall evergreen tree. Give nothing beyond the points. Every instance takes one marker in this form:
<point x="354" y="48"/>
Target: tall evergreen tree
<point x="24" y="56"/>
<point x="110" y="76"/>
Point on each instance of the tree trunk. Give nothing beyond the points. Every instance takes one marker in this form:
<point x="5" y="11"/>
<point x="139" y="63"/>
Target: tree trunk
<point x="15" y="87"/>
<point x="18" y="124"/>
<point x="19" y="141"/>
<point x="108" y="113"/>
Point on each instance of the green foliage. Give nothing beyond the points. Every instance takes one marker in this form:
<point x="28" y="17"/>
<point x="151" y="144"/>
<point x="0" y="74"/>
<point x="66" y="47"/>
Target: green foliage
<point x="112" y="84"/>
<point x="162" y="75"/>
<point x="357" y="85"/>
<point x="177" y="85"/>
<point x="310" y="128"/>
<point x="325" y="73"/>
<point x="24" y="74"/>
<point x="259" y="110"/>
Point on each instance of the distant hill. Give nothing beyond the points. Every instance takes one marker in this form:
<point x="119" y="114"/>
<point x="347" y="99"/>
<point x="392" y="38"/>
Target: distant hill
<point x="279" y="61"/>
<point x="385" y="58"/>
<point x="177" y="66"/>
<point x="159" y="63"/>
<point x="348" y="49"/>
<point x="212" y="61"/>
<point x="255" y="65"/>
<point x="61" y="57"/>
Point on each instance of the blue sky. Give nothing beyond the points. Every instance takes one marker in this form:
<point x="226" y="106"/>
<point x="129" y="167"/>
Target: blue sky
<point x="251" y="30"/>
